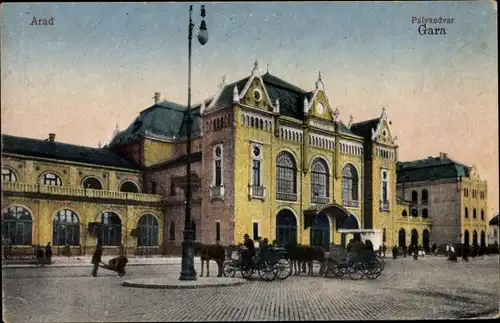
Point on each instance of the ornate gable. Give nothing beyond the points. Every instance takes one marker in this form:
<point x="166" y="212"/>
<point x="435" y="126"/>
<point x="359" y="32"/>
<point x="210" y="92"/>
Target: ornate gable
<point x="319" y="105"/>
<point x="382" y="133"/>
<point x="255" y="93"/>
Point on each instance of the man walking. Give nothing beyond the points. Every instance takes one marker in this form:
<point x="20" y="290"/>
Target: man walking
<point x="96" y="258"/>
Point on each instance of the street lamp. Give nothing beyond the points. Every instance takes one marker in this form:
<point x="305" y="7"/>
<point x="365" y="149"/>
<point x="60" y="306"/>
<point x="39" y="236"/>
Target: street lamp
<point x="188" y="272"/>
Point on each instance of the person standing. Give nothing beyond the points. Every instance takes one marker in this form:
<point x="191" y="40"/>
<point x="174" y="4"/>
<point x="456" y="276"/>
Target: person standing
<point x="250" y="249"/>
<point x="96" y="259"/>
<point x="48" y="253"/>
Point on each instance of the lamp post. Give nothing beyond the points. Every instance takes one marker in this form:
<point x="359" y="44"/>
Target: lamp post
<point x="188" y="272"/>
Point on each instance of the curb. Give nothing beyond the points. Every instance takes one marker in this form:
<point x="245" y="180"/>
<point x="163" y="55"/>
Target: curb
<point x="86" y="265"/>
<point x="179" y="286"/>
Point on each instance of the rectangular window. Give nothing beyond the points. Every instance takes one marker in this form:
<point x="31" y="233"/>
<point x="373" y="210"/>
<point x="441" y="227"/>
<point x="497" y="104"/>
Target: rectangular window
<point x="384" y="236"/>
<point x="255" y="230"/>
<point x="384" y="192"/>
<point x="256" y="173"/>
<point x="217" y="231"/>
<point x="218" y="172"/>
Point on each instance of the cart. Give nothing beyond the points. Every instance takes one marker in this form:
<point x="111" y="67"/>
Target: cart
<point x="116" y="264"/>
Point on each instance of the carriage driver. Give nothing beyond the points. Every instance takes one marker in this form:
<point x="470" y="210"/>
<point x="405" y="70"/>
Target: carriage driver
<point x="250" y="249"/>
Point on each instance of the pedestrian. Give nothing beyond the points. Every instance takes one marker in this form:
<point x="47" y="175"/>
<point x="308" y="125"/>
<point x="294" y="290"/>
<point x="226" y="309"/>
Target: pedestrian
<point x="257" y="242"/>
<point x="39" y="256"/>
<point x="465" y="252"/>
<point x="249" y="252"/>
<point x="96" y="258"/>
<point x="48" y="253"/>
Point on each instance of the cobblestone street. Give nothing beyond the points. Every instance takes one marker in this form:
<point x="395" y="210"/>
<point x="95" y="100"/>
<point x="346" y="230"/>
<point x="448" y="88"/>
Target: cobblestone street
<point x="428" y="288"/>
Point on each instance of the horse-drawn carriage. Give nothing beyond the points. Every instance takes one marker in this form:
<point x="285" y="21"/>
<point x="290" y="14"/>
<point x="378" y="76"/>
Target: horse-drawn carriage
<point x="270" y="263"/>
<point x="357" y="265"/>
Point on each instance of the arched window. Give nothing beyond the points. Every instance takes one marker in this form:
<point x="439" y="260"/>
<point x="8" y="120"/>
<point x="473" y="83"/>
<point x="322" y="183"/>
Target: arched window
<point x="466" y="213"/>
<point x="404" y="213"/>
<point x="474" y="213"/>
<point x="92" y="183"/>
<point x="425" y="213"/>
<point x="286" y="177"/>
<point x="319" y="181"/>
<point x="425" y="197"/>
<point x="111" y="229"/>
<point x="17" y="225"/>
<point x="414" y="196"/>
<point x="66" y="228"/>
<point x="50" y="179"/>
<point x="148" y="231"/>
<point x="482" y="215"/>
<point x="414" y="212"/>
<point x="129" y="187"/>
<point x="350" y="186"/>
<point x="8" y="175"/>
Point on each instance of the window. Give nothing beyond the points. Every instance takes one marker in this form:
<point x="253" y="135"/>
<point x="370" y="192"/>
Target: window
<point x="474" y="194"/>
<point x="256" y="165"/>
<point x="217" y="231"/>
<point x="172" y="231"/>
<point x="66" y="228"/>
<point x="414" y="213"/>
<point x="350" y="186"/>
<point x="414" y="196"/>
<point x="51" y="179"/>
<point x="466" y="192"/>
<point x="474" y="215"/>
<point x="148" y="231"/>
<point x="17" y="225"/>
<point x="286" y="177"/>
<point x="319" y="180"/>
<point x="129" y="187"/>
<point x="218" y="156"/>
<point x="425" y="213"/>
<point x="255" y="230"/>
<point x="92" y="183"/>
<point x="153" y="187"/>
<point x="111" y="229"/>
<point x="384" y="235"/>
<point x="466" y="213"/>
<point x="404" y="213"/>
<point x="172" y="188"/>
<point x="425" y="196"/>
<point x="482" y="215"/>
<point x="385" y="186"/>
<point x="8" y="175"/>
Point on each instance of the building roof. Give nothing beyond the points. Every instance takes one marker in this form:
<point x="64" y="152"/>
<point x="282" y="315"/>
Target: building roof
<point x="495" y="220"/>
<point x="67" y="152"/>
<point x="364" y="128"/>
<point x="164" y="119"/>
<point x="431" y="168"/>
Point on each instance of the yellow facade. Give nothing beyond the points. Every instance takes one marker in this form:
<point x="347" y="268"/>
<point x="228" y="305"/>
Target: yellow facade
<point x="474" y="200"/>
<point x="249" y="210"/>
<point x="44" y="201"/>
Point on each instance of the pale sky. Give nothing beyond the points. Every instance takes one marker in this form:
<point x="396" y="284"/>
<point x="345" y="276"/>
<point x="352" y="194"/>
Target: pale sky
<point x="99" y="65"/>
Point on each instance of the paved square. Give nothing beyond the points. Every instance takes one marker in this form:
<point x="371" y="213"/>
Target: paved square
<point x="430" y="287"/>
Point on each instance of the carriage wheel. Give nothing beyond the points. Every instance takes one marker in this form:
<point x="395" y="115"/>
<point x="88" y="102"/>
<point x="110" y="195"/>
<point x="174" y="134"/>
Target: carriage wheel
<point x="356" y="271"/>
<point x="284" y="269"/>
<point x="381" y="262"/>
<point x="373" y="269"/>
<point x="246" y="272"/>
<point x="268" y="272"/>
<point x="229" y="270"/>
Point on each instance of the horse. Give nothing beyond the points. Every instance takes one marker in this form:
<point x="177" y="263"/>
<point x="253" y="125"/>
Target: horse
<point x="207" y="252"/>
<point x="305" y="255"/>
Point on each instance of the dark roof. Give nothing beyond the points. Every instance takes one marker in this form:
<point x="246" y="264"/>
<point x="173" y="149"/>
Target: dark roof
<point x="364" y="128"/>
<point x="495" y="219"/>
<point x="57" y="150"/>
<point x="165" y="119"/>
<point x="291" y="97"/>
<point x="431" y="168"/>
<point x="226" y="96"/>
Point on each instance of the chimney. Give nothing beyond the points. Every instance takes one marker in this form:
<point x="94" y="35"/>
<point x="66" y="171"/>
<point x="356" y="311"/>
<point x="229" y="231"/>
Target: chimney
<point x="443" y="155"/>
<point x="52" y="137"/>
<point x="156" y="97"/>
